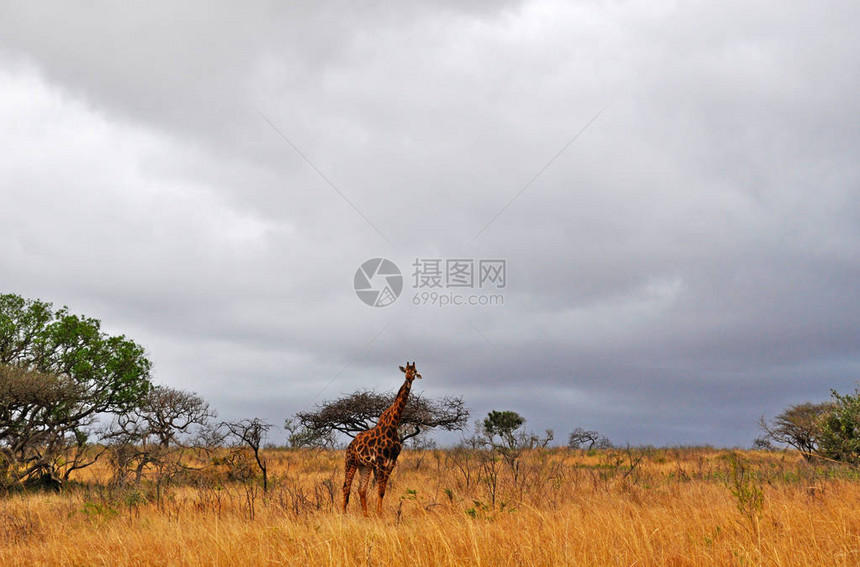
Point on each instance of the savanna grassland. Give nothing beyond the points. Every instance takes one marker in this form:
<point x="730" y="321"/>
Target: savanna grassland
<point x="674" y="507"/>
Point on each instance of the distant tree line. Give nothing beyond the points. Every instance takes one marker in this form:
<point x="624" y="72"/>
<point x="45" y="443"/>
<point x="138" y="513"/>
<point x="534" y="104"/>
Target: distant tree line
<point x="71" y="394"/>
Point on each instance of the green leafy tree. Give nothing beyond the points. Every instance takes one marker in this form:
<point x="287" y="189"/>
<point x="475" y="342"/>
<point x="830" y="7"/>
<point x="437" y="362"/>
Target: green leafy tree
<point x="501" y="434"/>
<point x="840" y="436"/>
<point x="503" y="424"/>
<point x="58" y="373"/>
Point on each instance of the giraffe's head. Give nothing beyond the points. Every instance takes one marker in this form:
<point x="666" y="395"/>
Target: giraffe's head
<point x="410" y="371"/>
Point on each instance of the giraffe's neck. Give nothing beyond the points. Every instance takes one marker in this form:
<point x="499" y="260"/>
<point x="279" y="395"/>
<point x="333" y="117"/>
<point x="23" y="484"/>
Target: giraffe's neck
<point x="391" y="416"/>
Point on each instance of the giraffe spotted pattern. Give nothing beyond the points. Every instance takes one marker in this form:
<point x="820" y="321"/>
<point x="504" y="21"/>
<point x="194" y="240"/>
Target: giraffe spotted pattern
<point x="376" y="450"/>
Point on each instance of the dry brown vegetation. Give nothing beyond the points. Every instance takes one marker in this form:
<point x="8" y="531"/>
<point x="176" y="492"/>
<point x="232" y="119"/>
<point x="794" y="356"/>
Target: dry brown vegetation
<point x="454" y="507"/>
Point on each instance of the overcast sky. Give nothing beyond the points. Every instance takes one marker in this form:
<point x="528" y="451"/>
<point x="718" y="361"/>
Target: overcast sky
<point x="674" y="188"/>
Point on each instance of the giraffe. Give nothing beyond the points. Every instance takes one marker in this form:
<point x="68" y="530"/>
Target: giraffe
<point x="376" y="449"/>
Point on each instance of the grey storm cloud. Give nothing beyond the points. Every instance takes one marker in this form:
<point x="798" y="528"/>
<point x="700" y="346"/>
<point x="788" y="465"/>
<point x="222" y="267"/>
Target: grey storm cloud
<point x="207" y="178"/>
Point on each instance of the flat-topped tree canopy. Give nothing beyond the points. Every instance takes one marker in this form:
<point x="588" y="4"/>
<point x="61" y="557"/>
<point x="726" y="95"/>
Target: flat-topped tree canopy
<point x="360" y="411"/>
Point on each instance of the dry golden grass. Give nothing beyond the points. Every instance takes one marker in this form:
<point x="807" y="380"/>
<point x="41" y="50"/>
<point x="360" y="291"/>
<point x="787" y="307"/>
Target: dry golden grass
<point x="677" y="507"/>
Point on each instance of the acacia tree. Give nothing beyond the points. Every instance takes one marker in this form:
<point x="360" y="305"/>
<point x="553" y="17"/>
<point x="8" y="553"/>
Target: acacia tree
<point x="587" y="439"/>
<point x="799" y="426"/>
<point x="160" y="425"/>
<point x="360" y="411"/>
<point x="60" y="373"/>
<point x="163" y="414"/>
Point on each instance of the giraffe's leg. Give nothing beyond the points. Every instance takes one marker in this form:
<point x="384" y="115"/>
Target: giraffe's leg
<point x="363" y="481"/>
<point x="351" y="467"/>
<point x="381" y="473"/>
